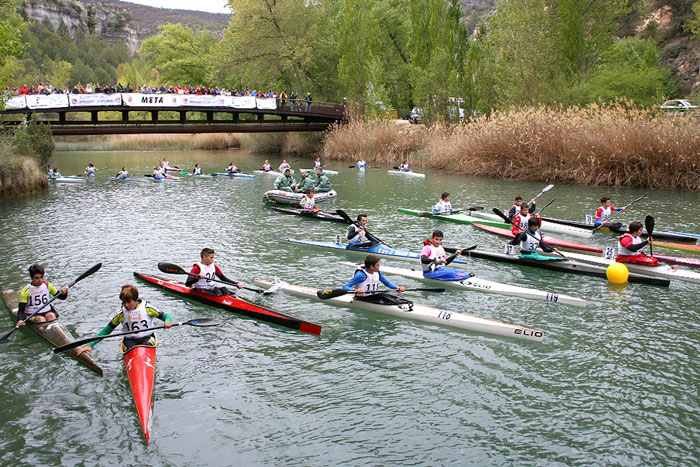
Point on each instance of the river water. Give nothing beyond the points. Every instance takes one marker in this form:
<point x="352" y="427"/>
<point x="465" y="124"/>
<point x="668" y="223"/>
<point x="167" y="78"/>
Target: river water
<point x="616" y="382"/>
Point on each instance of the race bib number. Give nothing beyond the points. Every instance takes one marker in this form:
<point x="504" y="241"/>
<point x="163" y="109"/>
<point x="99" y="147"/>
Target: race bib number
<point x="337" y="238"/>
<point x="589" y="219"/>
<point x="509" y="249"/>
<point x="609" y="253"/>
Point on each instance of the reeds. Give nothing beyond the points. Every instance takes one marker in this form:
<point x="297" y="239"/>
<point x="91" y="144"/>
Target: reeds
<point x="170" y="142"/>
<point x="599" y="145"/>
<point x="19" y="175"/>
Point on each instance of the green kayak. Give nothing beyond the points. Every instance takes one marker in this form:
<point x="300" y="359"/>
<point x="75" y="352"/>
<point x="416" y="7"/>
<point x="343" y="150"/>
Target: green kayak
<point x="459" y="218"/>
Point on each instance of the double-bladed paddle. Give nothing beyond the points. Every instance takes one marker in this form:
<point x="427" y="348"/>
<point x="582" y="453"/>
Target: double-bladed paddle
<point x="464" y="250"/>
<point x="512" y="222"/>
<point x="87" y="273"/>
<point x="171" y="268"/>
<point x="649" y="225"/>
<point x="198" y="322"/>
<point x="617" y="212"/>
<point x="332" y="293"/>
<point x="545" y="207"/>
<point x="544" y="190"/>
<point x="347" y="218"/>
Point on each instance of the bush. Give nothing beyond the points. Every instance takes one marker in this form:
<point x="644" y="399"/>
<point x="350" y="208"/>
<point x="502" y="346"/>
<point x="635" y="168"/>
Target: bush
<point x="34" y="139"/>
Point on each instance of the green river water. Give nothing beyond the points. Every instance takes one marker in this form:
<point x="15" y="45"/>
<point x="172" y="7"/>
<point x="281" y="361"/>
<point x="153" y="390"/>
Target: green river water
<point x="615" y="383"/>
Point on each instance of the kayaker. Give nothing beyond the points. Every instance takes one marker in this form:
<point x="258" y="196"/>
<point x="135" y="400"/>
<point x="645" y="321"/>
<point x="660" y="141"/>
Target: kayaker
<point x="318" y="164"/>
<point x="444" y="206"/>
<point x="434" y="259"/>
<point x="284" y="165"/>
<point x="308" y="203"/>
<point x="197" y="170"/>
<point x="522" y="219"/>
<point x="629" y="247"/>
<point x="285" y="182"/>
<point x="403" y="167"/>
<point x="515" y="208"/>
<point x="357" y="236"/>
<point x="133" y="315"/>
<point x="56" y="173"/>
<point x="35" y="294"/>
<point x="368" y="277"/>
<point x="90" y="170"/>
<point x="602" y="214"/>
<point x="232" y="169"/>
<point x="361" y="164"/>
<point x="206" y="269"/>
<point x="323" y="183"/>
<point x="158" y="173"/>
<point x="122" y="174"/>
<point x="49" y="172"/>
<point x="306" y="183"/>
<point x="530" y="238"/>
<point x="267" y="167"/>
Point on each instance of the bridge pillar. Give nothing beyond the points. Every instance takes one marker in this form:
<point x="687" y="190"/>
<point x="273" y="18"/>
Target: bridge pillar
<point x="183" y="117"/>
<point x="93" y="116"/>
<point x="210" y="117"/>
<point x="261" y="117"/>
<point x="154" y="115"/>
<point x="125" y="115"/>
<point x="62" y="117"/>
<point x="234" y="117"/>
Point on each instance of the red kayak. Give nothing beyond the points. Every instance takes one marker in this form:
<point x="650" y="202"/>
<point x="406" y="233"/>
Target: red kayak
<point x="140" y="365"/>
<point x="690" y="262"/>
<point x="563" y="244"/>
<point x="233" y="304"/>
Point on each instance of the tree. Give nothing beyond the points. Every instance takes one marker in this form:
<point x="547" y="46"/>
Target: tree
<point x="11" y="25"/>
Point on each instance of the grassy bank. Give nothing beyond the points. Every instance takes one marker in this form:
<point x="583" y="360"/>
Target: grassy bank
<point x="615" y="145"/>
<point x="19" y="175"/>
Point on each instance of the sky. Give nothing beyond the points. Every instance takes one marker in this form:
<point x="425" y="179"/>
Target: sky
<point x="212" y="6"/>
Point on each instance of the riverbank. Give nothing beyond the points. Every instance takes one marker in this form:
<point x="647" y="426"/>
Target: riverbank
<point x="616" y="145"/>
<point x="19" y="175"/>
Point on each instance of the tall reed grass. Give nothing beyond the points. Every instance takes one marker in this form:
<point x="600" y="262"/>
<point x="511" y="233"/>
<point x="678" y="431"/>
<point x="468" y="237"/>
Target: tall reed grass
<point x="19" y="175"/>
<point x="598" y="145"/>
<point x="286" y="144"/>
<point x="174" y="142"/>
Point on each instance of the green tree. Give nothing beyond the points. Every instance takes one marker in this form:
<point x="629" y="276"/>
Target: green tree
<point x="11" y="25"/>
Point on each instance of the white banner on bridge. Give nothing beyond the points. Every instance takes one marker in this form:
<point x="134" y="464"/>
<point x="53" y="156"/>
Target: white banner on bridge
<point x="243" y="102"/>
<point x="15" y="103"/>
<point x="203" y="100"/>
<point x="136" y="99"/>
<point x="50" y="101"/>
<point x="94" y="100"/>
<point x="266" y="103"/>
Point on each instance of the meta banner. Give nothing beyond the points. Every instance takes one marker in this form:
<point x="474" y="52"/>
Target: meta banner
<point x="136" y="99"/>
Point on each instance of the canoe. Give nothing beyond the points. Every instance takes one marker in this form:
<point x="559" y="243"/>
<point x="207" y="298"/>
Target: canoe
<point x="231" y="303"/>
<point x="326" y="216"/>
<point x="288" y="197"/>
<point x="618" y="228"/>
<point x="560" y="244"/>
<point x="418" y="312"/>
<point x="457" y="218"/>
<point x="408" y="174"/>
<point x="379" y="250"/>
<point x="678" y="246"/>
<point x="690" y="262"/>
<point x="476" y="284"/>
<point x="53" y="332"/>
<point x="233" y="175"/>
<point x="664" y="271"/>
<point x="567" y="266"/>
<point x="140" y="366"/>
<point x="325" y="171"/>
<point x="546" y="226"/>
<point x="66" y="180"/>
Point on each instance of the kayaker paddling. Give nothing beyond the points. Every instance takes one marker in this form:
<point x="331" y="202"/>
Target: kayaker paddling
<point x="531" y="238"/>
<point x="368" y="277"/>
<point x="444" y="206"/>
<point x="206" y="269"/>
<point x="197" y="170"/>
<point x="629" y="247"/>
<point x="517" y="205"/>
<point x="602" y="214"/>
<point x="284" y="166"/>
<point x="318" y="164"/>
<point x="404" y="166"/>
<point x="35" y="294"/>
<point x="357" y="235"/>
<point x="434" y="259"/>
<point x="307" y="202"/>
<point x="232" y="168"/>
<point x="90" y="170"/>
<point x="267" y="167"/>
<point x="123" y="173"/>
<point x="521" y="221"/>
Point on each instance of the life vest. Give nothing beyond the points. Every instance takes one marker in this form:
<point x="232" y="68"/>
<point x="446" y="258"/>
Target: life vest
<point x="603" y="214"/>
<point x="371" y="282"/>
<point x="530" y="244"/>
<point x="522" y="221"/>
<point x="38" y="297"/>
<point x="267" y="167"/>
<point x="136" y="319"/>
<point x="307" y="203"/>
<point x="436" y="252"/>
<point x="443" y="207"/>
<point x="359" y="236"/>
<point x="623" y="251"/>
<point x="209" y="272"/>
<point x="197" y="171"/>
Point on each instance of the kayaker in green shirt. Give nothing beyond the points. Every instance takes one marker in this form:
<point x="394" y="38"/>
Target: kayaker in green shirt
<point x="323" y="183"/>
<point x="306" y="183"/>
<point x="285" y="182"/>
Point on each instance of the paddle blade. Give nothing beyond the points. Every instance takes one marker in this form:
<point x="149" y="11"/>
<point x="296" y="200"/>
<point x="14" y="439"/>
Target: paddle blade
<point x="344" y="215"/>
<point x="500" y="214"/>
<point x="475" y="208"/>
<point x="203" y="322"/>
<point x="649" y="224"/>
<point x="7" y="334"/>
<point x="425" y="214"/>
<point x="275" y="287"/>
<point x="330" y="293"/>
<point x="171" y="268"/>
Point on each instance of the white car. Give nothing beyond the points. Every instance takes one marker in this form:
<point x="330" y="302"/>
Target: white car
<point x="678" y="105"/>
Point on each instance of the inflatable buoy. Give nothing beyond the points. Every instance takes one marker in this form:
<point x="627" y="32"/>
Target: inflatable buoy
<point x="617" y="273"/>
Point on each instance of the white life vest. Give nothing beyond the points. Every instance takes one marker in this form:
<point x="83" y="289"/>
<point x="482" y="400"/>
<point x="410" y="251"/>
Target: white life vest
<point x="38" y="297"/>
<point x="284" y="166"/>
<point x="361" y="164"/>
<point x="371" y="282"/>
<point x="137" y="319"/>
<point x="318" y="165"/>
<point x="530" y="244"/>
<point x="209" y="272"/>
<point x="359" y="235"/>
<point x="123" y="174"/>
<point x="231" y="168"/>
<point x="436" y="252"/>
<point x="90" y="171"/>
<point x="443" y="207"/>
<point x="197" y="171"/>
<point x="266" y="167"/>
<point x="166" y="164"/>
<point x="605" y="214"/>
<point x="307" y="203"/>
<point x="157" y="173"/>
<point x="523" y="220"/>
<point x="623" y="251"/>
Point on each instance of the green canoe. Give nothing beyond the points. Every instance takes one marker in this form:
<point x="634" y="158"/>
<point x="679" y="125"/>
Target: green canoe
<point x="459" y="218"/>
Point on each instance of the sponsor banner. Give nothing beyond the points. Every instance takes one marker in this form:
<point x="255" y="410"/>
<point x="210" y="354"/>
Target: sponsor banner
<point x="203" y="100"/>
<point x="94" y="100"/>
<point x="243" y="102"/>
<point x="266" y="103"/>
<point x="137" y="99"/>
<point x="51" y="101"/>
<point x="14" y="103"/>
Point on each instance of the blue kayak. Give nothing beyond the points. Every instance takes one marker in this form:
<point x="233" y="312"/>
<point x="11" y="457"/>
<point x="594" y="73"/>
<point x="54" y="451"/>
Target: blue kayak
<point x="237" y="175"/>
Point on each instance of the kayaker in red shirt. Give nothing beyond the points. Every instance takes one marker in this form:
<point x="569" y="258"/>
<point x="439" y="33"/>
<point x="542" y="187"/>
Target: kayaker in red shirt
<point x="602" y="215"/>
<point x="629" y="248"/>
<point x="206" y="269"/>
<point x="521" y="220"/>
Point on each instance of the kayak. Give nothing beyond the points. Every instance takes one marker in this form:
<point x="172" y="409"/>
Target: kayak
<point x="476" y="284"/>
<point x="236" y="175"/>
<point x="53" y="332"/>
<point x="379" y="250"/>
<point x="690" y="262"/>
<point x="128" y="179"/>
<point x="288" y="197"/>
<point x="418" y="312"/>
<point x="664" y="270"/>
<point x="618" y="228"/>
<point x="678" y="246"/>
<point x="231" y="303"/>
<point x="458" y="218"/>
<point x="323" y="215"/>
<point x="687" y="234"/>
<point x="325" y="171"/>
<point x="173" y="169"/>
<point x="66" y="180"/>
<point x="546" y="226"/>
<point x="140" y="366"/>
<point x="568" y="265"/>
<point x="561" y="244"/>
<point x="268" y="172"/>
<point x="409" y="174"/>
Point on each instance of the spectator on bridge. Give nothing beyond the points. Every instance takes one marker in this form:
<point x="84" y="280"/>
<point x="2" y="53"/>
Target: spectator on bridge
<point x="283" y="99"/>
<point x="308" y="102"/>
<point x="292" y="101"/>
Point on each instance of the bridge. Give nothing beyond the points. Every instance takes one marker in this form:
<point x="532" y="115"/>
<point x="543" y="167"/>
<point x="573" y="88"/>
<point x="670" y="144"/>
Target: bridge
<point x="135" y="113"/>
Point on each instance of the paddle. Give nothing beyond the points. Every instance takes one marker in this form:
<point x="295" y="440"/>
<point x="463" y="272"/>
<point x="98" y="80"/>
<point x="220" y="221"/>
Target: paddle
<point x="464" y="250"/>
<point x="545" y="207"/>
<point x="544" y="190"/>
<point x="171" y="268"/>
<point x="332" y="293"/>
<point x="475" y="208"/>
<point x="617" y="212"/>
<point x="649" y="225"/>
<point x="505" y="218"/>
<point x="198" y="322"/>
<point x="347" y="218"/>
<point x="87" y="273"/>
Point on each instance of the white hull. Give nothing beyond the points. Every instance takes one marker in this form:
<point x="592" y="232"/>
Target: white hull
<point x="664" y="270"/>
<point x="269" y="172"/>
<point x="419" y="312"/>
<point x="66" y="180"/>
<point x="410" y="174"/>
<point x="325" y="171"/>
<point x="476" y="284"/>
<point x="550" y="227"/>
<point x="288" y="197"/>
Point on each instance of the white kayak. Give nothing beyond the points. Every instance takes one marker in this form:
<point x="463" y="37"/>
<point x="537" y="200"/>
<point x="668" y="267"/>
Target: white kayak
<point x="325" y="171"/>
<point x="267" y="172"/>
<point x="550" y="227"/>
<point x="408" y="174"/>
<point x="417" y="312"/>
<point x="482" y="285"/>
<point x="663" y="270"/>
<point x="67" y="179"/>
<point x="289" y="197"/>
